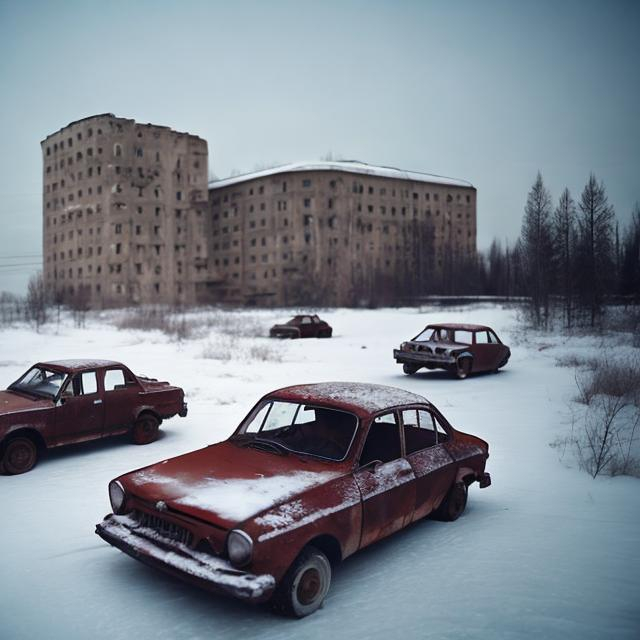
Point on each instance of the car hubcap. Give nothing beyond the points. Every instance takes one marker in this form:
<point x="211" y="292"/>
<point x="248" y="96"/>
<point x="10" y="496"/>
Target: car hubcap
<point x="20" y="456"/>
<point x="309" y="586"/>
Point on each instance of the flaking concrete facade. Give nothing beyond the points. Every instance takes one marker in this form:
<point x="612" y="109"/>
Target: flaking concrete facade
<point x="337" y="233"/>
<point x="129" y="218"/>
<point x="125" y="213"/>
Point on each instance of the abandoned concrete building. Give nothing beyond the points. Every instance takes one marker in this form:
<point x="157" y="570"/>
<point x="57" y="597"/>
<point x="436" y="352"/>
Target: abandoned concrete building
<point x="124" y="213"/>
<point x="336" y="233"/>
<point x="127" y="219"/>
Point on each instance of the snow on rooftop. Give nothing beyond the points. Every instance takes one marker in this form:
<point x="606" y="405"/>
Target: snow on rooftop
<point x="81" y="363"/>
<point x="348" y="166"/>
<point x="370" y="397"/>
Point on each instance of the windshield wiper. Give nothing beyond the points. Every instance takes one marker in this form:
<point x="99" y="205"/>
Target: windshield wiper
<point x="259" y="443"/>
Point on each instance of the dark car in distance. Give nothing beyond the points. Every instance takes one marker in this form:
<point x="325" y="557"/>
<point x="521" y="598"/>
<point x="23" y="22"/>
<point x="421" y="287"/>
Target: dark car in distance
<point x="312" y="474"/>
<point x="302" y="326"/>
<point x="461" y="349"/>
<point x="71" y="401"/>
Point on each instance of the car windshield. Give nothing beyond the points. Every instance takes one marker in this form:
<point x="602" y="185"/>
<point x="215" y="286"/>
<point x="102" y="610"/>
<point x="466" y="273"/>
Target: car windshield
<point x="300" y="428"/>
<point x="40" y="381"/>
<point x="436" y="335"/>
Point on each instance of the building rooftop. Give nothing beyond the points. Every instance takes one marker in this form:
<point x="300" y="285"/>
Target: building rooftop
<point x="348" y="166"/>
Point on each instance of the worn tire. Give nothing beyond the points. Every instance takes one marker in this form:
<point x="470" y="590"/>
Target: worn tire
<point x="19" y="456"/>
<point x="454" y="503"/>
<point x="145" y="429"/>
<point x="304" y="586"/>
<point x="409" y="369"/>
<point x="463" y="368"/>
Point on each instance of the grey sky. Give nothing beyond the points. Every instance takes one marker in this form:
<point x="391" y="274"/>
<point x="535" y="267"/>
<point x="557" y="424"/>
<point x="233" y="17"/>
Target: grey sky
<point x="485" y="91"/>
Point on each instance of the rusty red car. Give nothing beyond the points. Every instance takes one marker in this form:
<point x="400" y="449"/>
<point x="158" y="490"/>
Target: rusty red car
<point x="312" y="474"/>
<point x="70" y="401"/>
<point x="461" y="349"/>
<point x="302" y="326"/>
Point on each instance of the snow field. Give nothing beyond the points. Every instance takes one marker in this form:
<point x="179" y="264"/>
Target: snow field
<point x="545" y="552"/>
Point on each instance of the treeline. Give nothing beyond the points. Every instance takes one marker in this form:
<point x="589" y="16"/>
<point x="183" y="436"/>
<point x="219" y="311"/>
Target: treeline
<point x="571" y="258"/>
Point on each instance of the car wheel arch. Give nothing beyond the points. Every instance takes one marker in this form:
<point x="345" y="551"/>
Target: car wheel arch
<point x="147" y="411"/>
<point x="466" y="475"/>
<point x="25" y="432"/>
<point x="329" y="545"/>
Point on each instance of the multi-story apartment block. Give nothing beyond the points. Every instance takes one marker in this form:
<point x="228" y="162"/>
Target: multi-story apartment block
<point x="129" y="218"/>
<point x="336" y="233"/>
<point x="125" y="213"/>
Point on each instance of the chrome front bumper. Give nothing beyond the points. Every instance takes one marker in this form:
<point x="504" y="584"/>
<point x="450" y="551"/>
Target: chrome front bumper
<point x="207" y="571"/>
<point x="422" y="358"/>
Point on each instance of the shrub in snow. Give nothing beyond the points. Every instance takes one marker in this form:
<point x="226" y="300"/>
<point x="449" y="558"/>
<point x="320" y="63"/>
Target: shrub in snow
<point x="609" y="423"/>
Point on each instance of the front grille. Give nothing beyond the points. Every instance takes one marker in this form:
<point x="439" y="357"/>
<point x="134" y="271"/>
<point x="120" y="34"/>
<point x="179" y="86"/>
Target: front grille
<point x="165" y="528"/>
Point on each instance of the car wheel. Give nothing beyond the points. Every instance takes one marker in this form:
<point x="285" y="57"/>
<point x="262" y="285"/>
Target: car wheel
<point x="409" y="369"/>
<point x="145" y="429"/>
<point x="20" y="455"/>
<point x="305" y="585"/>
<point x="325" y="333"/>
<point x="464" y="368"/>
<point x="454" y="503"/>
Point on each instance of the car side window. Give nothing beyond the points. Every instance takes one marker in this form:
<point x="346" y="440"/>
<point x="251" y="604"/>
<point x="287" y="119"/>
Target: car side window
<point x="463" y="337"/>
<point x="493" y="338"/>
<point x="306" y="320"/>
<point x="316" y="320"/>
<point x="441" y="432"/>
<point x="81" y="384"/>
<point x="482" y="337"/>
<point x="114" y="380"/>
<point x="419" y="430"/>
<point x="383" y="440"/>
<point x="89" y="382"/>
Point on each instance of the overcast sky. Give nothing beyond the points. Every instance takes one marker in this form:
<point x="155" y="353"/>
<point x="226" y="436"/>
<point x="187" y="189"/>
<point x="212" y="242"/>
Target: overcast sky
<point x="489" y="91"/>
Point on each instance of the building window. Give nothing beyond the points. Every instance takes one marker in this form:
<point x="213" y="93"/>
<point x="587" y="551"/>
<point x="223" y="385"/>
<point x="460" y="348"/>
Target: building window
<point x="306" y="183"/>
<point x="307" y="202"/>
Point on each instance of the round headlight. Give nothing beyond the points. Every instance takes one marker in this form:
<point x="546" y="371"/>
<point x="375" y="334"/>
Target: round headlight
<point x="117" y="496"/>
<point x="239" y="548"/>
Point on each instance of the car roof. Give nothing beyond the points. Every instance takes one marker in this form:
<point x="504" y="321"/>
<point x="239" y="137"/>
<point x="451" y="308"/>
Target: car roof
<point x="79" y="364"/>
<point x="357" y="397"/>
<point x="460" y="326"/>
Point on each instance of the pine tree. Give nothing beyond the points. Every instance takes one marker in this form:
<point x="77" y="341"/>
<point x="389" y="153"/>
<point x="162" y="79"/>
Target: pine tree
<point x="537" y="250"/>
<point x="564" y="232"/>
<point x="595" y="260"/>
<point x="630" y="262"/>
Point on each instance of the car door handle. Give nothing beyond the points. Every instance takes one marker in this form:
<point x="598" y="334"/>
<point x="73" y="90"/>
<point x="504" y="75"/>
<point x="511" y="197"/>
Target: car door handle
<point x="97" y="402"/>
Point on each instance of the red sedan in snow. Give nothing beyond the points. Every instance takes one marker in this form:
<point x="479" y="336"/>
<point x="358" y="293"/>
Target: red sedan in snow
<point x="312" y="474"/>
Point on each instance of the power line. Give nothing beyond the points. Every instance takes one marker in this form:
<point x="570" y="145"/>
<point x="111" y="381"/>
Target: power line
<point x="25" y="255"/>
<point x="20" y="264"/>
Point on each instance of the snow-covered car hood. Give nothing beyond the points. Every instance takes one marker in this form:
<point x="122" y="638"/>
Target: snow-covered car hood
<point x="16" y="403"/>
<point x="226" y="484"/>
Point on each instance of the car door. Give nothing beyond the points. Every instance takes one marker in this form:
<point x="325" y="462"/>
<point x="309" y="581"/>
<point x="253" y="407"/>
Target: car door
<point x="488" y="351"/>
<point x="79" y="412"/>
<point x="484" y="353"/>
<point x="386" y="481"/>
<point x="433" y="466"/>
<point x="306" y="327"/>
<point x="121" y="391"/>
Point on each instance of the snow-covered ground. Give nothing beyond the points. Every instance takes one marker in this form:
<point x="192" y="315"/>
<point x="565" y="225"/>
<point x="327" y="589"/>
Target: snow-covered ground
<point x="546" y="552"/>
